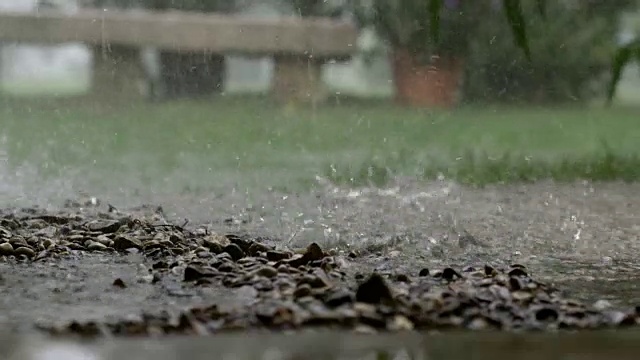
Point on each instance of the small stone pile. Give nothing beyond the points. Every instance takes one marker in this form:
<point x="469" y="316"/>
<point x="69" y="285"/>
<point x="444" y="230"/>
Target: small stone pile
<point x="294" y="289"/>
<point x="35" y="234"/>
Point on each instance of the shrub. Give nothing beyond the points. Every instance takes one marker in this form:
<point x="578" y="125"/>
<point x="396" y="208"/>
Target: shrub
<point x="572" y="50"/>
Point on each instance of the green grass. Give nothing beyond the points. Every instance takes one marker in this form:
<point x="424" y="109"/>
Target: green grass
<point x="201" y="145"/>
<point x="52" y="87"/>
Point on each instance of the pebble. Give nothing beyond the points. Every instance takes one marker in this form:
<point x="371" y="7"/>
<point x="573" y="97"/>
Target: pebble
<point x="6" y="249"/>
<point x="195" y="272"/>
<point x="123" y="242"/>
<point x="25" y="250"/>
<point x="234" y="251"/>
<point x="267" y="271"/>
<point x="602" y="304"/>
<point x="119" y="283"/>
<point x="96" y="246"/>
<point x="374" y="291"/>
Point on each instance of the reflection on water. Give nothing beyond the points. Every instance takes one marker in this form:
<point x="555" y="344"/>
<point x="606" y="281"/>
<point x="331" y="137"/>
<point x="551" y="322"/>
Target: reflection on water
<point x="494" y="346"/>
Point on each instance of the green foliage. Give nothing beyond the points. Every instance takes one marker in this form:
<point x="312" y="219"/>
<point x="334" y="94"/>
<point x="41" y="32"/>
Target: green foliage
<point x="565" y="65"/>
<point x="623" y="56"/>
<point x="422" y="27"/>
<point x="434" y="8"/>
<point x="376" y="171"/>
<point x="480" y="169"/>
<point x="513" y="10"/>
<point x="410" y="24"/>
<point x="370" y="173"/>
<point x="251" y="141"/>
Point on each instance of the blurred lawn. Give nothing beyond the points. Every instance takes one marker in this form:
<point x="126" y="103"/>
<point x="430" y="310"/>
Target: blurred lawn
<point x="249" y="142"/>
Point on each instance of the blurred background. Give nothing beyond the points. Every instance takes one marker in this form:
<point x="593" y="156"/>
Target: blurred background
<point x="366" y="100"/>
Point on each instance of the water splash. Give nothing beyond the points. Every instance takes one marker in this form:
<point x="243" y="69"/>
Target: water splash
<point x="22" y="184"/>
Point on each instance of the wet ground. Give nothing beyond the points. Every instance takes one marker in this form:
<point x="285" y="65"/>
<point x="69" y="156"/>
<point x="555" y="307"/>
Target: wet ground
<point x="581" y="237"/>
<point x="339" y="346"/>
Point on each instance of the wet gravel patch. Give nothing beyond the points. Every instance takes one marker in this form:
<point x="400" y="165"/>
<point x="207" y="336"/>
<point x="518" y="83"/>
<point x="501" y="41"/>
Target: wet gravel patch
<point x="311" y="296"/>
<point x="90" y="269"/>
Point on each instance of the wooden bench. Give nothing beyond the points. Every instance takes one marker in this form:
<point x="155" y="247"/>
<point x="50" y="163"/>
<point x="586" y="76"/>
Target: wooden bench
<point x="299" y="46"/>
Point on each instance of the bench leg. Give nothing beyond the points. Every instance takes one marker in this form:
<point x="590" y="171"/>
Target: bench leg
<point x="191" y="74"/>
<point x="117" y="73"/>
<point x="298" y="79"/>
